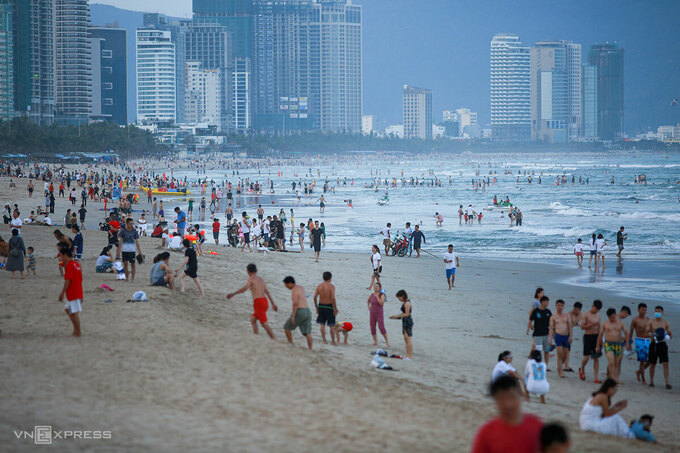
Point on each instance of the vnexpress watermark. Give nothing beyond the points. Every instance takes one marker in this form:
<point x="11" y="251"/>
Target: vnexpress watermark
<point x="45" y="434"/>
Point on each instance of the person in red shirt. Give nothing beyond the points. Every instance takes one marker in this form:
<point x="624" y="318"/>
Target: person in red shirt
<point x="114" y="227"/>
<point x="216" y="231"/>
<point x="73" y="288"/>
<point x="512" y="431"/>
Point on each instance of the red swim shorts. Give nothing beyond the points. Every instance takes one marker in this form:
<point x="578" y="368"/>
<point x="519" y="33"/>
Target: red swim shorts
<point x="260" y="306"/>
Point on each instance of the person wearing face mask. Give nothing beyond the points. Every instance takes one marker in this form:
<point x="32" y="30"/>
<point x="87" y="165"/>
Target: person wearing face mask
<point x="660" y="331"/>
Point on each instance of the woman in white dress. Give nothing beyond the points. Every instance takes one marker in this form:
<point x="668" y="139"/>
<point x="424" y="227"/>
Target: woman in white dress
<point x="534" y="376"/>
<point x="600" y="416"/>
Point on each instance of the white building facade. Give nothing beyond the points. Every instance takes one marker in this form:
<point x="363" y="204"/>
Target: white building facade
<point x="156" y="90"/>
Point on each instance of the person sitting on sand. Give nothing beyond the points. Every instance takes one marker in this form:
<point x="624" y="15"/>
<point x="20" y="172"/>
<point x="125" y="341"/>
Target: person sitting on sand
<point x="104" y="261"/>
<point x="161" y="274"/>
<point x="301" y="316"/>
<point x="258" y="290"/>
<point x="600" y="416"/>
<point x="642" y="427"/>
<point x="511" y="430"/>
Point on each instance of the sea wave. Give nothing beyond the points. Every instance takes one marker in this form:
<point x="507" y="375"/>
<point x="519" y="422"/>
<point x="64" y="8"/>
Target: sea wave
<point x="649" y="215"/>
<point x="563" y="209"/>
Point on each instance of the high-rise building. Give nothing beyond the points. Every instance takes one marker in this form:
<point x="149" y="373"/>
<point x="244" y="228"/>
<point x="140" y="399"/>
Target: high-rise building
<point x="417" y="112"/>
<point x="72" y="62"/>
<point x="203" y="94"/>
<point x="336" y="81"/>
<point x="367" y="124"/>
<point x="555" y="91"/>
<point x="210" y="45"/>
<point x="465" y="118"/>
<point x="510" y="89"/>
<point x="33" y="59"/>
<point x="589" y="108"/>
<point x="242" y="119"/>
<point x="156" y="94"/>
<point x="109" y="74"/>
<point x="235" y="15"/>
<point x="6" y="62"/>
<point x="608" y="58"/>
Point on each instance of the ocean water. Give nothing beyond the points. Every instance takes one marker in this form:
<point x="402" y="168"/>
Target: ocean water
<point x="555" y="216"/>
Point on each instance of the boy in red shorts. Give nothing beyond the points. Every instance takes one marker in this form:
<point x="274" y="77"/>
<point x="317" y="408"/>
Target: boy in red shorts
<point x="258" y="289"/>
<point x="73" y="288"/>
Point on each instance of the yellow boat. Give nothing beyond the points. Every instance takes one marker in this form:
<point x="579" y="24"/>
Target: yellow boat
<point x="165" y="191"/>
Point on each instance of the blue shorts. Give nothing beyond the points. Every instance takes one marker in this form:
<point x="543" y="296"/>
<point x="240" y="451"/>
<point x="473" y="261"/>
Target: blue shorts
<point x="450" y="272"/>
<point x="562" y="340"/>
<point x="642" y="349"/>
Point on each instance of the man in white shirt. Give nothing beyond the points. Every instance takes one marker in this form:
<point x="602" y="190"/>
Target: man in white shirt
<point x="16" y="222"/>
<point x="387" y="241"/>
<point x="452" y="261"/>
<point x="245" y="228"/>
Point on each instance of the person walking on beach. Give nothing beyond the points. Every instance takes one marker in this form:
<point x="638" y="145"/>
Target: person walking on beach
<point x="16" y="252"/>
<point x="613" y="337"/>
<point x="180" y="221"/>
<point x="377" y="266"/>
<point x="326" y="308"/>
<point x="317" y="236"/>
<point x="638" y="327"/>
<point x="451" y="260"/>
<point x="387" y="238"/>
<point x="590" y="324"/>
<point x="600" y="244"/>
<point x="578" y="251"/>
<point x="511" y="430"/>
<point x="245" y="228"/>
<point x="620" y="237"/>
<point x="129" y="243"/>
<point x="539" y="322"/>
<point x="375" y="302"/>
<point x="190" y="265"/>
<point x="561" y="331"/>
<point x="260" y="293"/>
<point x="301" y="316"/>
<point x="73" y="288"/>
<point x="406" y="321"/>
<point x="418" y="237"/>
<point x="660" y="331"/>
<point x="592" y="247"/>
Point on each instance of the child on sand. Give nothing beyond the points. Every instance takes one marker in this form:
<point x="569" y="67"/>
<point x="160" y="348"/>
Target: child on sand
<point x="31" y="261"/>
<point x="534" y="376"/>
<point x="73" y="288"/>
<point x="578" y="251"/>
<point x="345" y="328"/>
<point x="258" y="289"/>
<point x="406" y="321"/>
<point x="190" y="265"/>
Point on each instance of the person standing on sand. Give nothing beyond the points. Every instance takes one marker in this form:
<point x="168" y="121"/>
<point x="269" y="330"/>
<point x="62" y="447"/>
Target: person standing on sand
<point x="375" y="302"/>
<point x="418" y="238"/>
<point x="452" y="261"/>
<point x="406" y="321"/>
<point x="660" y="331"/>
<point x="387" y="240"/>
<point x="129" y="243"/>
<point x="326" y="308"/>
<point x="600" y="244"/>
<point x="613" y="336"/>
<point x="245" y="227"/>
<point x="620" y="236"/>
<point x="638" y="327"/>
<point x="73" y="288"/>
<point x="190" y="265"/>
<point x="561" y="331"/>
<point x="258" y="289"/>
<point x="590" y="323"/>
<point x="511" y="430"/>
<point x="301" y="316"/>
<point x="317" y="236"/>
<point x="539" y="322"/>
<point x="592" y="247"/>
<point x="16" y="252"/>
<point x="376" y="262"/>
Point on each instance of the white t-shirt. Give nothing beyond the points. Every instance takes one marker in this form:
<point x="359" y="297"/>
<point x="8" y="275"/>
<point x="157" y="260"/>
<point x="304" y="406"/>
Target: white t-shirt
<point x="408" y="231"/>
<point x="599" y="244"/>
<point x="244" y="226"/>
<point x="578" y="247"/>
<point x="16" y="224"/>
<point x="376" y="260"/>
<point x="501" y="368"/>
<point x="591" y="245"/>
<point x="450" y="256"/>
<point x="265" y="227"/>
<point x="102" y="259"/>
<point x="175" y="242"/>
<point x="534" y="376"/>
<point x="48" y="221"/>
<point x="385" y="233"/>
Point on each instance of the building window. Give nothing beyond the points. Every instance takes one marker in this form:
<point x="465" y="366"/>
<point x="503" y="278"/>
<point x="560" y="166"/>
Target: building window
<point x="108" y="86"/>
<point x="108" y="101"/>
<point x="107" y="54"/>
<point x="108" y="70"/>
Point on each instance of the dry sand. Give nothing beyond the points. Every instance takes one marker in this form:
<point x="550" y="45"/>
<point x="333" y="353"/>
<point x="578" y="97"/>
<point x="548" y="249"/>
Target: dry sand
<point x="180" y="373"/>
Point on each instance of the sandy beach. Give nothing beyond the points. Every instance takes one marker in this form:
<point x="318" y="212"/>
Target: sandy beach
<point x="180" y="373"/>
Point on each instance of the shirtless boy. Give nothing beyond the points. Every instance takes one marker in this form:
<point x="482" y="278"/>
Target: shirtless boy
<point x="301" y="316"/>
<point x="575" y="318"/>
<point x="613" y="335"/>
<point x="258" y="289"/>
<point x="590" y="323"/>
<point x="638" y="327"/>
<point x="561" y="331"/>
<point x="326" y="308"/>
<point x="659" y="329"/>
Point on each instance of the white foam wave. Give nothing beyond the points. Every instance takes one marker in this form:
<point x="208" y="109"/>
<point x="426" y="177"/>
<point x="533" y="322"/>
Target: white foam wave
<point x="649" y="215"/>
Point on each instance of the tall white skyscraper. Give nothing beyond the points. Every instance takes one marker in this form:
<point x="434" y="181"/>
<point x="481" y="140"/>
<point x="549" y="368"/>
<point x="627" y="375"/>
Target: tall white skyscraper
<point x="156" y="96"/>
<point x="555" y="91"/>
<point x="417" y="112"/>
<point x="242" y="119"/>
<point x="202" y="95"/>
<point x="510" y="89"/>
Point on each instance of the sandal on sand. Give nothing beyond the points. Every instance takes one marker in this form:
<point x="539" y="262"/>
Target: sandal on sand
<point x="668" y="386"/>
<point x="569" y="370"/>
<point x="581" y="374"/>
<point x="597" y="381"/>
<point x="651" y="385"/>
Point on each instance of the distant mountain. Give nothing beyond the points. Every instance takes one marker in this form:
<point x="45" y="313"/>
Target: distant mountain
<point x="444" y="45"/>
